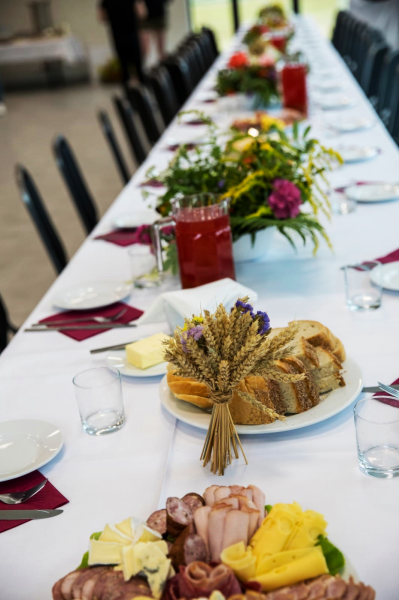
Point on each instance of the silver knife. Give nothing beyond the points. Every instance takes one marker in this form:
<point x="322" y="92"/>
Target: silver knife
<point x="16" y="515"/>
<point x="375" y="389"/>
<point x="81" y="327"/>
<point x="109" y="348"/>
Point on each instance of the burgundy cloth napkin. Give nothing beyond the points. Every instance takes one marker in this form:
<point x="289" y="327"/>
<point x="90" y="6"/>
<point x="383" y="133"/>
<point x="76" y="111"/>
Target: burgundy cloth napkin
<point x="120" y="237"/>
<point x="390" y="401"/>
<point x="131" y="314"/>
<point x="388" y="258"/>
<point x="209" y="101"/>
<point x="189" y="146"/>
<point x="47" y="498"/>
<point x="152" y="183"/>
<point x="194" y="122"/>
<point x="341" y="190"/>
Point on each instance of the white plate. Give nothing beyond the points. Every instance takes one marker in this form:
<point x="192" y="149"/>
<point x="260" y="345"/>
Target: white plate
<point x="27" y="445"/>
<point x="373" y="192"/>
<point x="92" y="295"/>
<point x="389" y="276"/>
<point x="328" y="86"/>
<point x="352" y="154"/>
<point x="352" y="124"/>
<point x="337" y="103"/>
<point x="331" y="405"/>
<point x="117" y="359"/>
<point x="140" y="217"/>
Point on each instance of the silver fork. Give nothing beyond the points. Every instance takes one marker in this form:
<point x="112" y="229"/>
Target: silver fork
<point x="389" y="390"/>
<point x="82" y="320"/>
<point x="19" y="497"/>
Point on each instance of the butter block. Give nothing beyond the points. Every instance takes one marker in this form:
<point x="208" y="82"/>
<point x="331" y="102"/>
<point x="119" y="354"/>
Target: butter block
<point x="147" y="352"/>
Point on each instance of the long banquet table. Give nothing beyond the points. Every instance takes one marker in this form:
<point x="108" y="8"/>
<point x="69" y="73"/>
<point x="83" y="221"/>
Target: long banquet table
<point x="131" y="472"/>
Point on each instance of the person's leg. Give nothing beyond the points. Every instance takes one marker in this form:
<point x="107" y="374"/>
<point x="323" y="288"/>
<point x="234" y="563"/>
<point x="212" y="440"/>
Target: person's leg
<point x="160" y="42"/>
<point x="3" y="108"/>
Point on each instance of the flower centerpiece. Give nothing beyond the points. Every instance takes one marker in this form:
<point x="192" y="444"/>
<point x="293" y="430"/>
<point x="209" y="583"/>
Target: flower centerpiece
<point x="220" y="350"/>
<point x="253" y="76"/>
<point x="276" y="28"/>
<point x="272" y="181"/>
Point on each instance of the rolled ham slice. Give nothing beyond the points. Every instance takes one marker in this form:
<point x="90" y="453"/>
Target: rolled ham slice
<point x="233" y="502"/>
<point x="253" y="513"/>
<point x="248" y="493"/>
<point x="200" y="580"/>
<point x="259" y="500"/>
<point x="209" y="495"/>
<point x="236" y="528"/>
<point x="201" y="521"/>
<point x="236" y="489"/>
<point x="222" y="492"/>
<point x="217" y="522"/>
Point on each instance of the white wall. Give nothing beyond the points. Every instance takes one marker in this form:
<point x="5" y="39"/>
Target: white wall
<point x="81" y="15"/>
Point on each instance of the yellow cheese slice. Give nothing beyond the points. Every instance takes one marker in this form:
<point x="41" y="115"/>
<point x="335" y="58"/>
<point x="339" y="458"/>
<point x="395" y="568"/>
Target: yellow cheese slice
<point x="240" y="560"/>
<point x="274" y="533"/>
<point x="310" y="563"/>
<point x="112" y="534"/>
<point x="105" y="553"/>
<point x="305" y="534"/>
<point x="216" y="595"/>
<point x="147" y="352"/>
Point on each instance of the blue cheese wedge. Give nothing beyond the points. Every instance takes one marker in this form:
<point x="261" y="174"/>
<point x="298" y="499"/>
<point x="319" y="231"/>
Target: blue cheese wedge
<point x="147" y="559"/>
<point x="147" y="352"/>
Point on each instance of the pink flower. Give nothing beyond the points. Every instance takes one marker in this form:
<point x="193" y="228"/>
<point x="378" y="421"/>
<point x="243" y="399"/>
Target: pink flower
<point x="142" y="235"/>
<point x="285" y="199"/>
<point x="266" y="61"/>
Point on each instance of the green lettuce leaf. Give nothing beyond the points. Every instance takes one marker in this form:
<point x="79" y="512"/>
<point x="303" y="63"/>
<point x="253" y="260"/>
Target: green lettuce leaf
<point x="334" y="558"/>
<point x="85" y="559"/>
<point x="268" y="507"/>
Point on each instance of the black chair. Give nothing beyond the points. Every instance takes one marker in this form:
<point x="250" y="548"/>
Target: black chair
<point x="179" y="72"/>
<point x="108" y="130"/>
<point x="339" y="30"/>
<point x="75" y="182"/>
<point x="372" y="69"/>
<point x="212" y="39"/>
<point x="382" y="100"/>
<point x="142" y="102"/>
<point x="393" y="120"/>
<point x="205" y="45"/>
<point x="128" y="121"/>
<point x="34" y="203"/>
<point x="188" y="53"/>
<point x="6" y="327"/>
<point x="192" y="46"/>
<point x="162" y="86"/>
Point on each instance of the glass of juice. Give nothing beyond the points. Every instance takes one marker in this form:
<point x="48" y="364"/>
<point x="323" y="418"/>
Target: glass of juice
<point x="203" y="238"/>
<point x="293" y="79"/>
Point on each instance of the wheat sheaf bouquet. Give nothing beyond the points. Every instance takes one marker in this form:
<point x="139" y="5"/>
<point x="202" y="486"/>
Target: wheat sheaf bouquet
<point x="219" y="350"/>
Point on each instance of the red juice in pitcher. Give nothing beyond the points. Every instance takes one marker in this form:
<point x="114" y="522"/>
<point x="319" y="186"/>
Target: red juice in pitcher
<point x="204" y="248"/>
<point x="293" y="79"/>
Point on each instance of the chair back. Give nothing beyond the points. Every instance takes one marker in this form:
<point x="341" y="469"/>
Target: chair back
<point x="373" y="68"/>
<point x="3" y="326"/>
<point x="164" y="92"/>
<point x="179" y="72"/>
<point x="145" y="105"/>
<point x="205" y="45"/>
<point x="212" y="40"/>
<point x="127" y="118"/>
<point x="108" y="130"/>
<point x="385" y="88"/>
<point x="73" y="178"/>
<point x="34" y="203"/>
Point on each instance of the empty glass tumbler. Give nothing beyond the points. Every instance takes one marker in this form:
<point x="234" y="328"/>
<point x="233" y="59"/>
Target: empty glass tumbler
<point x="99" y="395"/>
<point x="143" y="266"/>
<point x="363" y="285"/>
<point x="377" y="435"/>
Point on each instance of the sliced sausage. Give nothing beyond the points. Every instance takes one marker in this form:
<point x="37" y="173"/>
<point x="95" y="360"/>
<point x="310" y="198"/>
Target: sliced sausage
<point x="188" y="547"/>
<point x="67" y="583"/>
<point x="157" y="521"/>
<point x="87" y="591"/>
<point x="130" y="589"/>
<point x="194" y="501"/>
<point x="85" y="575"/>
<point x="178" y="516"/>
<point x="103" y="583"/>
<point x="56" y="591"/>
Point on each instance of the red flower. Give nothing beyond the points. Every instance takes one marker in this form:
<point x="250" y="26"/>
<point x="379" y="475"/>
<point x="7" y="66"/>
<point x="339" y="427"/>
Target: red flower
<point x="285" y="199"/>
<point x="238" y="60"/>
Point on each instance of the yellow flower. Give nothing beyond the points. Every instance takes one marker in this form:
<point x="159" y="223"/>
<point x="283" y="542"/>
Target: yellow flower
<point x="243" y="144"/>
<point x="266" y="146"/>
<point x="267" y="121"/>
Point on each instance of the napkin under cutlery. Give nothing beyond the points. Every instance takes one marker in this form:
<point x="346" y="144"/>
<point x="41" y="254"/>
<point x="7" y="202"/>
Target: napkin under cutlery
<point x="174" y="306"/>
<point x="131" y="314"/>
<point x="387" y="400"/>
<point x="48" y="497"/>
<point x="120" y="237"/>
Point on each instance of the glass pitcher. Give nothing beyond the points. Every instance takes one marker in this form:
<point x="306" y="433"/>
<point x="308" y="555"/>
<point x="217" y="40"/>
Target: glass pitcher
<point x="203" y="238"/>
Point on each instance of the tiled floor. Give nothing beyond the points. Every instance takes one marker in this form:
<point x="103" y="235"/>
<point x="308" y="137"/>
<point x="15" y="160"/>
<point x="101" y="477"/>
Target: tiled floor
<point x="26" y="133"/>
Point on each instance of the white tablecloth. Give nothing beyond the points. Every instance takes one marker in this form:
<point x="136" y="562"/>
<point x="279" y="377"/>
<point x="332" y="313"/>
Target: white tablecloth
<point x="133" y="471"/>
<point x="66" y="48"/>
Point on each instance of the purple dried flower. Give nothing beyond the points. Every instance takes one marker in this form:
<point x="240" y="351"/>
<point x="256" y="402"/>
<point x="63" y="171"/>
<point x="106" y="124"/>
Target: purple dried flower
<point x="264" y="322"/>
<point x="285" y="199"/>
<point x="221" y="183"/>
<point x="195" y="332"/>
<point x="244" y="308"/>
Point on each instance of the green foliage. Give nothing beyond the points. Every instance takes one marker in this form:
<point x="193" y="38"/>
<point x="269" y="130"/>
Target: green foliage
<point x="334" y="558"/>
<point x="261" y="82"/>
<point x="268" y="507"/>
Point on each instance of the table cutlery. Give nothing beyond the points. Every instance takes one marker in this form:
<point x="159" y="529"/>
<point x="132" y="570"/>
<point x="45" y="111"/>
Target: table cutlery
<point x="82" y="320"/>
<point x="110" y="348"/>
<point x="81" y="327"/>
<point x="376" y="389"/>
<point x="389" y="390"/>
<point x="19" y="497"/>
<point x="16" y="515"/>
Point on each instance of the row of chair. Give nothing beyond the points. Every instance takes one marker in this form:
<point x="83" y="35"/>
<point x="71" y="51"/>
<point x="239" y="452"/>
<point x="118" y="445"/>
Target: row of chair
<point x="144" y="113"/>
<point x="374" y="64"/>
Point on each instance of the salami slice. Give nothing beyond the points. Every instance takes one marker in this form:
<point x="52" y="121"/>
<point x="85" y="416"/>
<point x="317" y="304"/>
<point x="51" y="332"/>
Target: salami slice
<point x="188" y="547"/>
<point x="56" y="591"/>
<point x="178" y="516"/>
<point x="67" y="583"/>
<point x="194" y="501"/>
<point x="157" y="521"/>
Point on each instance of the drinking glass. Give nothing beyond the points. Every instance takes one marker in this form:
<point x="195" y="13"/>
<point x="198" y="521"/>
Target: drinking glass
<point x="377" y="435"/>
<point x="143" y="266"/>
<point x="341" y="205"/>
<point x="99" y="395"/>
<point x="363" y="285"/>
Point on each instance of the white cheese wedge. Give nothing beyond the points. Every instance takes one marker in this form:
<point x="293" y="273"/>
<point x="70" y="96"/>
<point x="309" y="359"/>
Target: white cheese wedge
<point x="150" y="535"/>
<point x="112" y="534"/>
<point x="147" y="352"/>
<point x="105" y="553"/>
<point x="148" y="559"/>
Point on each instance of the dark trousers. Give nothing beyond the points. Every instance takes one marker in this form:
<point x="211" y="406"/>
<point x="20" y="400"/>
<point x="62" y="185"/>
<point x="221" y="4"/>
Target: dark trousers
<point x="127" y="47"/>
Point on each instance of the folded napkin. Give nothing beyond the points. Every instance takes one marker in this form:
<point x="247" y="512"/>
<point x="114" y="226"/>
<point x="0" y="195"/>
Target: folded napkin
<point x="152" y="183"/>
<point x="194" y="121"/>
<point x="341" y="190"/>
<point x="120" y="237"/>
<point x="131" y="314"/>
<point x="390" y="401"/>
<point x="188" y="145"/>
<point x="174" y="306"/>
<point x="388" y="258"/>
<point x="47" y="498"/>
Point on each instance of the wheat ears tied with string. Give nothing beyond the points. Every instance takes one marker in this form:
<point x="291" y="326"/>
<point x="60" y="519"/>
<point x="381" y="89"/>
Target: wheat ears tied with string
<point x="220" y="350"/>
